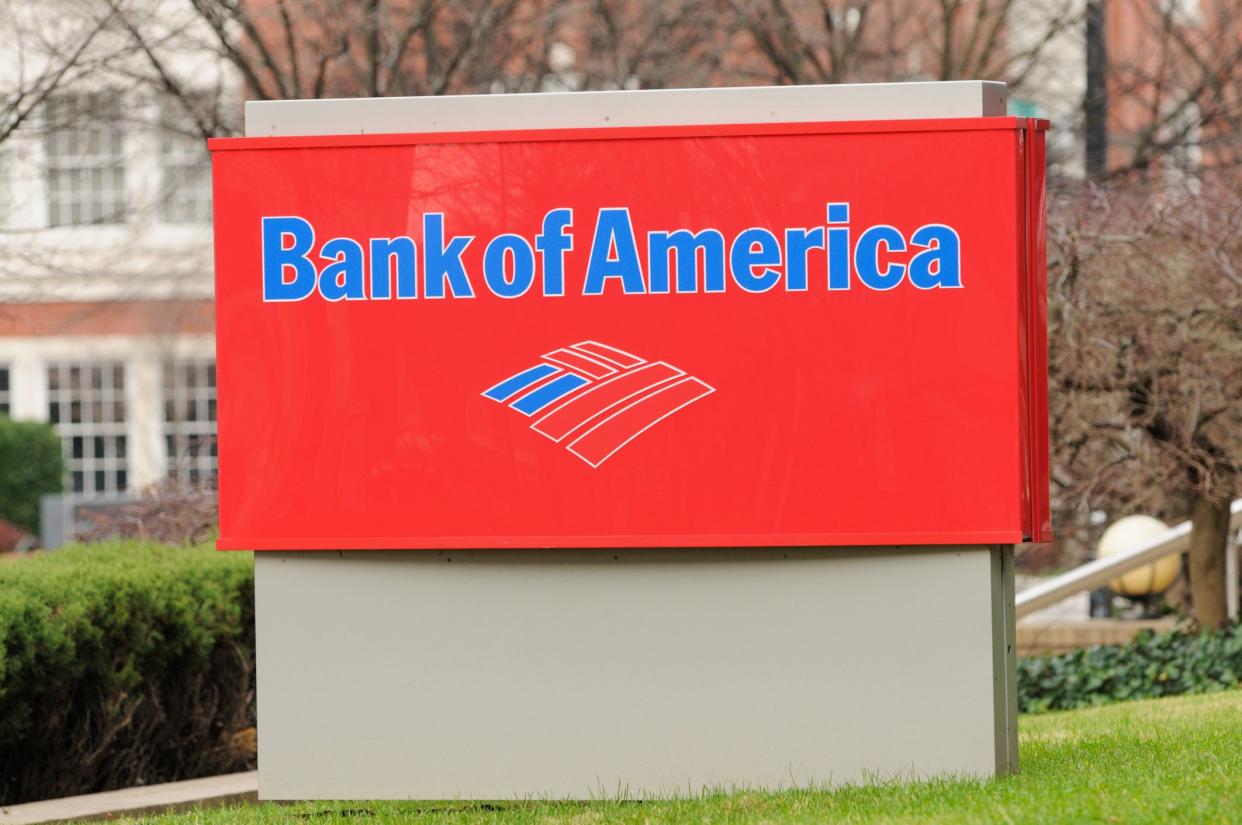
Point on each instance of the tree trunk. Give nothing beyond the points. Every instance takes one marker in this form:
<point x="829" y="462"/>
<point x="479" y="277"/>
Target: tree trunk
<point x="1209" y="537"/>
<point x="1095" y="102"/>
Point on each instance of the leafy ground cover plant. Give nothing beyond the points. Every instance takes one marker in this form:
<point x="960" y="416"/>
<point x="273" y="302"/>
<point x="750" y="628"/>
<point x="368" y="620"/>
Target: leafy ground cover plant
<point x="1153" y="665"/>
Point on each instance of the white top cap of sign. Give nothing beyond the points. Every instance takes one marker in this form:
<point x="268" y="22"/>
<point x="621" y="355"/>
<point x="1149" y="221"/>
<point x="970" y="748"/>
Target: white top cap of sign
<point x="657" y="107"/>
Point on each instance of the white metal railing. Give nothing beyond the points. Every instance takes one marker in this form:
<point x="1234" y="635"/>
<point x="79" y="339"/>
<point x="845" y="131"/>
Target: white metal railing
<point x="1096" y="573"/>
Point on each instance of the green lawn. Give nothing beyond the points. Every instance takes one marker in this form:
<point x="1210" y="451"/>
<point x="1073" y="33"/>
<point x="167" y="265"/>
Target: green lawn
<point x="1169" y="760"/>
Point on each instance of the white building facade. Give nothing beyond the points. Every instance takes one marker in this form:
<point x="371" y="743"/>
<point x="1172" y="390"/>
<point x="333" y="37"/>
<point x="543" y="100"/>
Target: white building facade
<point x="106" y="267"/>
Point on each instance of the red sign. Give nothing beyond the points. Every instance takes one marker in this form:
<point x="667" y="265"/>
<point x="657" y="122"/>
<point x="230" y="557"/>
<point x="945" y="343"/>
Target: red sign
<point x="793" y="334"/>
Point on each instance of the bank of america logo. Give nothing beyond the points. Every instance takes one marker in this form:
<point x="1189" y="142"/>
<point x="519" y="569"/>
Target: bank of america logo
<point x="594" y="399"/>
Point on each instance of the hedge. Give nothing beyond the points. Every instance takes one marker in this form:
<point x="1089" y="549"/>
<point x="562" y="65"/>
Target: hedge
<point x="30" y="465"/>
<point x="124" y="664"/>
<point x="1153" y="665"/>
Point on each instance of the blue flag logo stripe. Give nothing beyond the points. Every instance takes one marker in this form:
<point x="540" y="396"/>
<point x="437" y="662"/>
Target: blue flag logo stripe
<point x="537" y="399"/>
<point x="512" y="386"/>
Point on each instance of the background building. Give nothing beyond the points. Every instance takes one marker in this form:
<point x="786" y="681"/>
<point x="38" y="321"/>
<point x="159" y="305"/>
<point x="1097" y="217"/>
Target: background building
<point x="105" y="203"/>
<point x="106" y="258"/>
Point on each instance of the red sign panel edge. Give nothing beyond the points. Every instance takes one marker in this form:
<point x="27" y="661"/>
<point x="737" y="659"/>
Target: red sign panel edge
<point x="1036" y="527"/>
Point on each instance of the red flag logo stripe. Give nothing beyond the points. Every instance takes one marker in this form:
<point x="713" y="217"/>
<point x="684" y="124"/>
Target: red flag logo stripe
<point x="595" y="401"/>
<point x="597" y="444"/>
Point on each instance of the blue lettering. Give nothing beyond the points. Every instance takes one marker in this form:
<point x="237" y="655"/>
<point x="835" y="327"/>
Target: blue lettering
<point x="442" y="264"/>
<point x="838" y="244"/>
<point x="685" y="247"/>
<point x="277" y="257"/>
<point x="346" y="269"/>
<point x="798" y="246"/>
<point x="553" y="242"/>
<point x="613" y="234"/>
<point x="383" y="253"/>
<point x="940" y="263"/>
<point x="751" y="248"/>
<point x="494" y="265"/>
<point x="343" y="278"/>
<point x="867" y="257"/>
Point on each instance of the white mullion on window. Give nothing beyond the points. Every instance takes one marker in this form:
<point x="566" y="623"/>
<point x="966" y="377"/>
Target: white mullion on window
<point x="184" y="164"/>
<point x="87" y="409"/>
<point x="189" y="420"/>
<point x="84" y="144"/>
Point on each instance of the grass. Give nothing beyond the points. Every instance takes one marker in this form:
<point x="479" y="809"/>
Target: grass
<point x="1166" y="760"/>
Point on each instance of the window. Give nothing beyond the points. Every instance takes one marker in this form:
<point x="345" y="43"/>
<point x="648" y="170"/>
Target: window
<point x="185" y="194"/>
<point x="1186" y="12"/>
<point x="1184" y="159"/>
<point x="190" y="420"/>
<point x="86" y="405"/>
<point x="5" y="391"/>
<point x="85" y="160"/>
<point x="8" y="204"/>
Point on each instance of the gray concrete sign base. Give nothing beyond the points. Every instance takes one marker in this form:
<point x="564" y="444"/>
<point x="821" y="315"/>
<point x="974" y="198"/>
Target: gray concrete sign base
<point x="633" y="673"/>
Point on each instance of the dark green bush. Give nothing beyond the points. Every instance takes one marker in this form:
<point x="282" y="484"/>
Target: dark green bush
<point x="1154" y="664"/>
<point x="124" y="664"/>
<point x="30" y="465"/>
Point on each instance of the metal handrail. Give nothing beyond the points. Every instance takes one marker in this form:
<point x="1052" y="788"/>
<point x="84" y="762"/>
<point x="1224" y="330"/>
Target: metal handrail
<point x="1096" y="573"/>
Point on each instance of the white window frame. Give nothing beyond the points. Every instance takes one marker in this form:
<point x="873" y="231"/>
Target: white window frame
<point x="96" y="446"/>
<point x="1186" y="12"/>
<point x="185" y="168"/>
<point x="1183" y="163"/>
<point x="84" y="149"/>
<point x="189" y="415"/>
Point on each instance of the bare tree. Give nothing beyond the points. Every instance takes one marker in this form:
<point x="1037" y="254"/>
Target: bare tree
<point x="287" y="49"/>
<point x="626" y="44"/>
<point x="1146" y="361"/>
<point x="833" y="41"/>
<point x="46" y="48"/>
<point x="1179" y="90"/>
<point x="72" y="121"/>
<point x="1176" y="84"/>
<point x="1095" y="99"/>
<point x="290" y="49"/>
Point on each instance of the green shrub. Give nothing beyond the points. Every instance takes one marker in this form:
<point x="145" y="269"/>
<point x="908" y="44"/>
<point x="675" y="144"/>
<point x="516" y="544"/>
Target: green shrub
<point x="30" y="465"/>
<point x="124" y="664"/>
<point x="1154" y="664"/>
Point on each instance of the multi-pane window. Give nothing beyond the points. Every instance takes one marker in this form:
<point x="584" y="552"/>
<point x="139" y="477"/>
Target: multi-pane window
<point x="5" y="390"/>
<point x="185" y="194"/>
<point x="190" y="420"/>
<point x="1184" y="160"/>
<point x="86" y="404"/>
<point x="84" y="142"/>
<point x="1186" y="12"/>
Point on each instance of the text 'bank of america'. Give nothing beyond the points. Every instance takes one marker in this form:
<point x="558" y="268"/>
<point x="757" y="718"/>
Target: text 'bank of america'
<point x="832" y="256"/>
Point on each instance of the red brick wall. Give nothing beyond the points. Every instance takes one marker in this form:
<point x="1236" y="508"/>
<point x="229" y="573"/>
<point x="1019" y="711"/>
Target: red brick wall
<point x="177" y="317"/>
